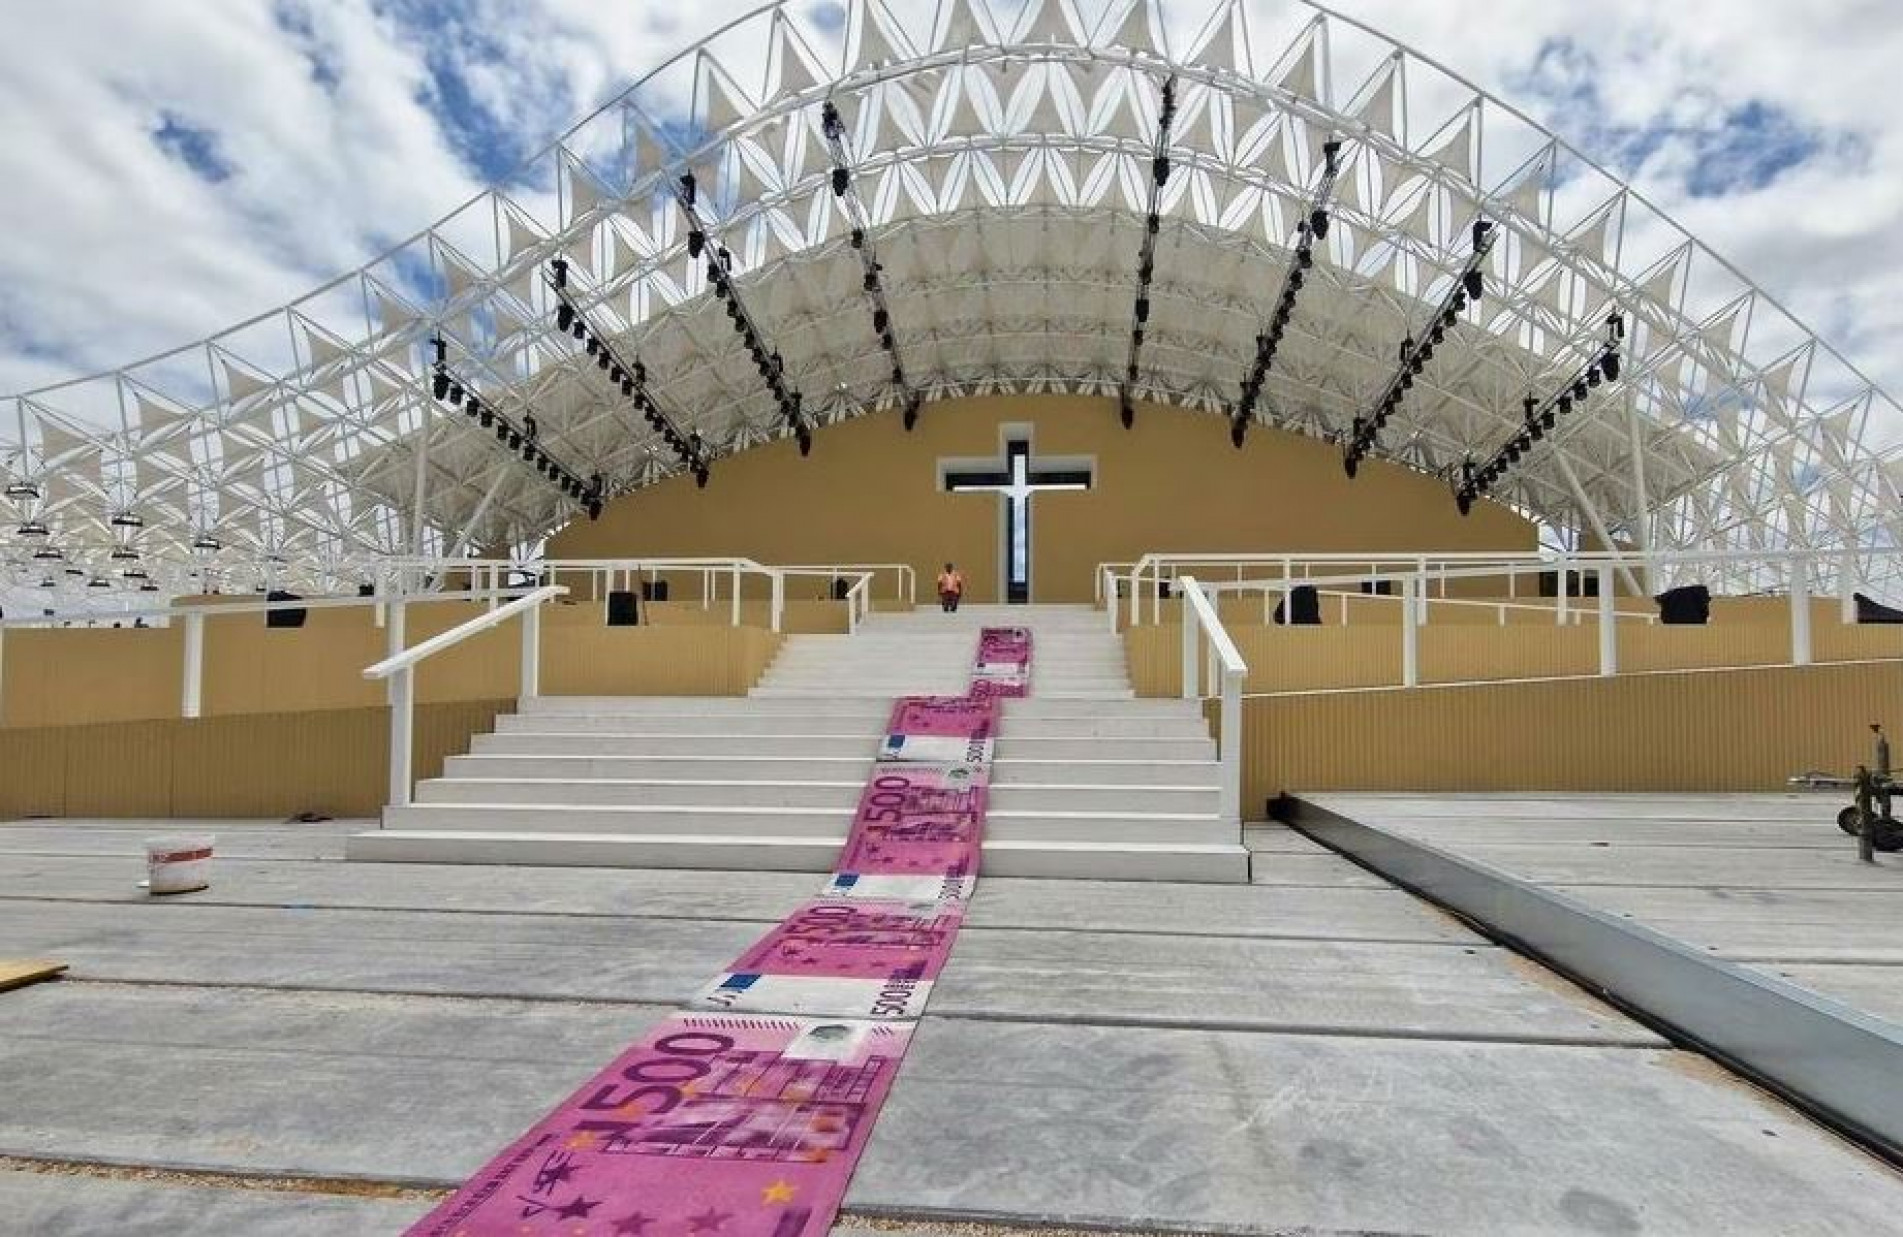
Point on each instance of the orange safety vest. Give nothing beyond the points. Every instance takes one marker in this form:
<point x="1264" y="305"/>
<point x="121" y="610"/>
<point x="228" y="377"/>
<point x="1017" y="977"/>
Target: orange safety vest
<point x="951" y="582"/>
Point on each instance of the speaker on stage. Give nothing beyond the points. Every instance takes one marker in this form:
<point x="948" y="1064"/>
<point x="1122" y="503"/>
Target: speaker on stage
<point x="283" y="618"/>
<point x="1869" y="611"/>
<point x="366" y="590"/>
<point x="1301" y="608"/>
<point x="1689" y="606"/>
<point x="841" y="588"/>
<point x="654" y="590"/>
<point x="623" y="610"/>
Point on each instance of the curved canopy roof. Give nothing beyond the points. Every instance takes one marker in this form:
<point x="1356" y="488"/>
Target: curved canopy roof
<point x="1000" y="175"/>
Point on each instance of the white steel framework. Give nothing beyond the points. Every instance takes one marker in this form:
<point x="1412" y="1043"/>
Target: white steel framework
<point x="1005" y="169"/>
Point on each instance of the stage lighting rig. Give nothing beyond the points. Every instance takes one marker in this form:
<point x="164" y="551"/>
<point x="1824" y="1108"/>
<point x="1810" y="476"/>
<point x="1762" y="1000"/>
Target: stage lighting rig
<point x="1542" y="417"/>
<point x="1416" y="353"/>
<point x="839" y="145"/>
<point x="1146" y="257"/>
<point x="1312" y="228"/>
<point x="630" y="377"/>
<point x="511" y="436"/>
<point x="720" y="278"/>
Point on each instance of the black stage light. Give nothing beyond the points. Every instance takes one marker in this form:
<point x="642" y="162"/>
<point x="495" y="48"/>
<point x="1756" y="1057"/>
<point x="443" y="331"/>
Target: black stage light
<point x="564" y="316"/>
<point x="1530" y="404"/>
<point x="1474" y="284"/>
<point x="1437" y="334"/>
<point x="1331" y="152"/>
<point x="1318" y="225"/>
<point x="1610" y="363"/>
<point x="1480" y="230"/>
<point x="594" y="511"/>
<point x="579" y="330"/>
<point x="806" y="442"/>
<point x="560" y="267"/>
<point x="1305" y="257"/>
<point x="1296" y="280"/>
<point x="439" y="384"/>
<point x="486" y="418"/>
<point x="842" y="181"/>
<point x="871" y="281"/>
<point x="1579" y="392"/>
<point x="592" y="344"/>
<point x="701" y="476"/>
<point x="880" y="320"/>
<point x="689" y="188"/>
<point x="1154" y="223"/>
<point x="1127" y="412"/>
<point x="858" y="238"/>
<point x="1238" y="432"/>
<point x="1565" y="403"/>
<point x="1351" y="464"/>
<point x="617" y="376"/>
<point x="1548" y="418"/>
<point x="696" y="243"/>
<point x="627" y="388"/>
<point x="1464" y="501"/>
<point x="1592" y="376"/>
<point x="1160" y="170"/>
<point x="603" y="360"/>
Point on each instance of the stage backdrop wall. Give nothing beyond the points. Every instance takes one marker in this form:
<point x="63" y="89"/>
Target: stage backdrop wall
<point x="870" y="493"/>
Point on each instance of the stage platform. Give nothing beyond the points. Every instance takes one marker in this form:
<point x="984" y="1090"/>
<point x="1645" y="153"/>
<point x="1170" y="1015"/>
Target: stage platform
<point x="311" y="1047"/>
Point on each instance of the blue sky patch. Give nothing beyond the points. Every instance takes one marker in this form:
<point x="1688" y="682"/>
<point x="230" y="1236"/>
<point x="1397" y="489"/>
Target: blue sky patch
<point x="194" y="147"/>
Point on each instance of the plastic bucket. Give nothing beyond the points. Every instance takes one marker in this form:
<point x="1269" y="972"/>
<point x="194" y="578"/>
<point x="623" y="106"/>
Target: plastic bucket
<point x="178" y="864"/>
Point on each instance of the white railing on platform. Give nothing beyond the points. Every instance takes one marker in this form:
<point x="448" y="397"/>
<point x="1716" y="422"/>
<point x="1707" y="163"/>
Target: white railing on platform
<point x="905" y="578"/>
<point x="190" y="618"/>
<point x="1210" y="658"/>
<point x="399" y="671"/>
<point x="1419" y="574"/>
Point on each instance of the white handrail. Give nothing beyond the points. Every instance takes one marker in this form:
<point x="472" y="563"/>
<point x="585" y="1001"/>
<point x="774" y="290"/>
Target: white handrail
<point x="858" y="602"/>
<point x="1202" y="626"/>
<point x="399" y="669"/>
<point x="456" y="635"/>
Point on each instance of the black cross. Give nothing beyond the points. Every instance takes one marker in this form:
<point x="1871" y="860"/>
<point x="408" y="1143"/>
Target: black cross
<point x="1017" y="482"/>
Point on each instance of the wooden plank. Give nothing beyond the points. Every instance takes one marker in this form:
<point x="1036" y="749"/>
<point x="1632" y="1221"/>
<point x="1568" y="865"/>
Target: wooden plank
<point x="17" y="973"/>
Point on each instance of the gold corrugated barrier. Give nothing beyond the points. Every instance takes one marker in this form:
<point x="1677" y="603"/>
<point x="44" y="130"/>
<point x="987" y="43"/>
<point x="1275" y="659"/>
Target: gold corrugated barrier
<point x="1726" y="730"/>
<point x="332" y="762"/>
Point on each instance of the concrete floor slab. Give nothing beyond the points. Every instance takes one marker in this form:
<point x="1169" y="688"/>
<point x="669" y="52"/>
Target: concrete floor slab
<point x="1347" y="913"/>
<point x="1676" y="866"/>
<point x="62" y="1205"/>
<point x="1873" y="989"/>
<point x="1315" y="987"/>
<point x="1714" y="808"/>
<point x="1765" y="925"/>
<point x="1317" y="871"/>
<point x="1609" y="831"/>
<point x="1270" y="1133"/>
<point x="234" y="840"/>
<point x="1214" y="981"/>
<point x="1123" y="1126"/>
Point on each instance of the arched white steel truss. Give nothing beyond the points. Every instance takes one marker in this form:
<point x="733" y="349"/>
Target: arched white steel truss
<point x="1001" y="174"/>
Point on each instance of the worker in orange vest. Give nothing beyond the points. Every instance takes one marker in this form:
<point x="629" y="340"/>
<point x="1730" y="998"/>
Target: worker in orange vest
<point x="951" y="587"/>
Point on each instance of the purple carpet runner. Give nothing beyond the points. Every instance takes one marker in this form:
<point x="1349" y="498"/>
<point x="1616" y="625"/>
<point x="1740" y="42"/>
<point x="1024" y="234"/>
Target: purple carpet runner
<point x="744" y="1114"/>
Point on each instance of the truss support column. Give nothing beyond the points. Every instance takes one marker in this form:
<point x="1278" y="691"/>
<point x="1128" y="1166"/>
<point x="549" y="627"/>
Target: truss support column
<point x="1410" y="633"/>
<point x="418" y="525"/>
<point x="1642" y="519"/>
<point x="1799" y="568"/>
<point x="1588" y="509"/>
<point x="192" y="690"/>
<point x="1608" y="625"/>
<point x="1847" y="590"/>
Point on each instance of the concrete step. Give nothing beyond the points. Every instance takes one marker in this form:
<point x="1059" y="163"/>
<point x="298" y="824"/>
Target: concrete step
<point x="1200" y="774"/>
<point x="839" y="796"/>
<point x="869" y="723"/>
<point x="1218" y="863"/>
<point x="825" y="745"/>
<point x="843" y="706"/>
<point x="673" y="820"/>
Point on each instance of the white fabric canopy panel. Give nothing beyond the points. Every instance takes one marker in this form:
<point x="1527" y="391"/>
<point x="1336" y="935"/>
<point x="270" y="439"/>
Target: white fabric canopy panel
<point x="1002" y="172"/>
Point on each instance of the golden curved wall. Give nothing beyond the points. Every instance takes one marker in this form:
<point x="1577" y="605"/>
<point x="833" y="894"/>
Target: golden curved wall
<point x="870" y="493"/>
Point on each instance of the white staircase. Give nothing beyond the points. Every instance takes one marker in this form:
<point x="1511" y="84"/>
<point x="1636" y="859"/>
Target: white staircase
<point x="1088" y="781"/>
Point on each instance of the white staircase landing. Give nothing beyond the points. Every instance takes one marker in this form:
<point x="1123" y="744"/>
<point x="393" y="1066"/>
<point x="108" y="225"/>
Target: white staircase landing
<point x="1088" y="782"/>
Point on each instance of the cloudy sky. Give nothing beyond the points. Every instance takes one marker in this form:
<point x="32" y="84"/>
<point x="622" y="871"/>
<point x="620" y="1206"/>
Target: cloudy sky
<point x="175" y="167"/>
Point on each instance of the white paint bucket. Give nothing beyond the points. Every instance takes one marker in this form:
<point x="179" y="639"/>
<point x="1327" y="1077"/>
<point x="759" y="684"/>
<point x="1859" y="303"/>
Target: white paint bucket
<point x="178" y="864"/>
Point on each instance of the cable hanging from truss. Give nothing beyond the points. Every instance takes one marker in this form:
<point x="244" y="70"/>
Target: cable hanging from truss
<point x="1416" y="353"/>
<point x="1541" y="417"/>
<point x="720" y="275"/>
<point x="517" y="437"/>
<point x="861" y="239"/>
<point x="1146" y="258"/>
<point x="1312" y="229"/>
<point x="630" y="376"/>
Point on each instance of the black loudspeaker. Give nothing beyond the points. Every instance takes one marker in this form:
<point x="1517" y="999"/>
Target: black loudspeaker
<point x="654" y="590"/>
<point x="1689" y="606"/>
<point x="840" y="589"/>
<point x="366" y="590"/>
<point x="623" y="610"/>
<point x="1378" y="588"/>
<point x="1869" y="611"/>
<point x="1301" y="608"/>
<point x="283" y="618"/>
<point x="1163" y="589"/>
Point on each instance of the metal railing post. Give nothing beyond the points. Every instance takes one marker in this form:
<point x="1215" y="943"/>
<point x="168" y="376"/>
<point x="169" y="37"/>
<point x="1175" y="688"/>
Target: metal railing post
<point x="1230" y="802"/>
<point x="1410" y="634"/>
<point x="1608" y="626"/>
<point x="1564" y="601"/>
<point x="736" y="595"/>
<point x="1192" y="687"/>
<point x="192" y="690"/>
<point x="1799" y="570"/>
<point x="531" y="685"/>
<point x="402" y="726"/>
<point x="776" y="611"/>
